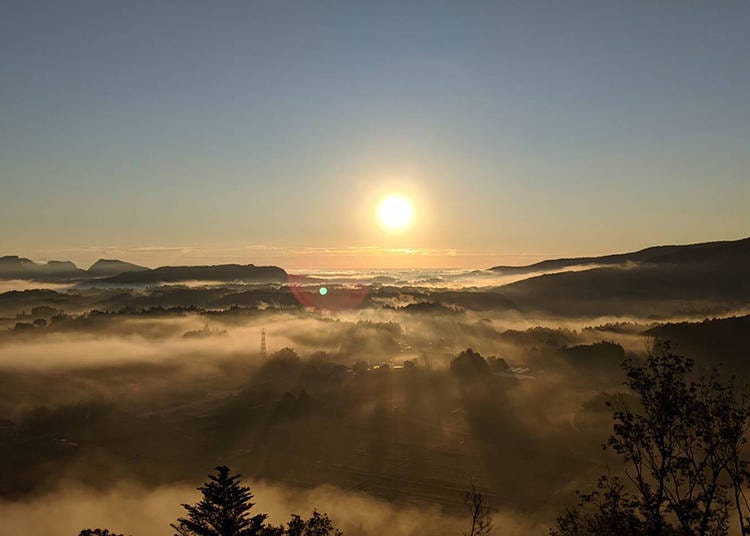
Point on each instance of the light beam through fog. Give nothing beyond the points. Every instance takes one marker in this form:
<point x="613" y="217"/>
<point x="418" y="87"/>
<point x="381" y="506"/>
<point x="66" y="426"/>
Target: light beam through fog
<point x="403" y="269"/>
<point x="148" y="386"/>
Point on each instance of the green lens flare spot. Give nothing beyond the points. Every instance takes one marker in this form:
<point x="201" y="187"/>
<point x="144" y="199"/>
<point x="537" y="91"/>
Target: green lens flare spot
<point x="323" y="291"/>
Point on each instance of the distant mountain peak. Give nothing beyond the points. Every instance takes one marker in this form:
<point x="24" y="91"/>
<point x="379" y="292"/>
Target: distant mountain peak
<point x="15" y="267"/>
<point x="15" y="259"/>
<point x="110" y="267"/>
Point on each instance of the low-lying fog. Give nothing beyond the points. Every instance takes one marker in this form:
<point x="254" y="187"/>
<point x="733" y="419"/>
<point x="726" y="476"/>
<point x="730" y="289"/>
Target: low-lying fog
<point x="148" y="512"/>
<point x="115" y="403"/>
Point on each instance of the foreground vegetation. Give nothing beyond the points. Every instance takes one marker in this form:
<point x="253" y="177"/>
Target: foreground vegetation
<point x="681" y="437"/>
<point x="225" y="510"/>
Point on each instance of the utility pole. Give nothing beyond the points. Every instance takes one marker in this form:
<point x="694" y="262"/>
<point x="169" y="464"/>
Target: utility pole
<point x="263" y="343"/>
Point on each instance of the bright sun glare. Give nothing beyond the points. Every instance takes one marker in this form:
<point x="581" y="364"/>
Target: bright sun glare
<point x="395" y="212"/>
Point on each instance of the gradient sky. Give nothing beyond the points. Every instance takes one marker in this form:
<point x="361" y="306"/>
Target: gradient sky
<point x="178" y="131"/>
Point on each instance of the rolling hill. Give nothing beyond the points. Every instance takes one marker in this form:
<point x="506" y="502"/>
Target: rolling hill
<point x="706" y="252"/>
<point x="708" y="278"/>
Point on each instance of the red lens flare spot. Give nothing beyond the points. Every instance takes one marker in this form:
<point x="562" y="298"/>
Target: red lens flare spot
<point x="310" y="293"/>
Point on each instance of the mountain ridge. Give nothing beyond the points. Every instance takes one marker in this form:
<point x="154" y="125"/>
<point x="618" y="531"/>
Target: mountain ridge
<point x="675" y="279"/>
<point x="219" y="272"/>
<point x="111" y="267"/>
<point x="665" y="254"/>
<point x="15" y="267"/>
<point x="114" y="271"/>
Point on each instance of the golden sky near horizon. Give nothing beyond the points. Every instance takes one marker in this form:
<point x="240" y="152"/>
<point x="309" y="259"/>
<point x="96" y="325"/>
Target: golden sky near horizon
<point x="516" y="131"/>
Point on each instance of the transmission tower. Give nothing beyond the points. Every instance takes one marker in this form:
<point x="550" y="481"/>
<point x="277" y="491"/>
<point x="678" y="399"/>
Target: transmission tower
<point x="263" y="343"/>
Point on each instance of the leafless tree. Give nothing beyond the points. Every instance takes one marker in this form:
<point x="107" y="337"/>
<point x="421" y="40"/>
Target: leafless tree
<point x="480" y="511"/>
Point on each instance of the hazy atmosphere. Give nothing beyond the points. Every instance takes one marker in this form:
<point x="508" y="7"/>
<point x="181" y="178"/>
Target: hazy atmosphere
<point x="374" y="268"/>
<point x="167" y="132"/>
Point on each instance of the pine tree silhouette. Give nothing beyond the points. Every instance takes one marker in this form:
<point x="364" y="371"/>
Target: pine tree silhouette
<point x="223" y="510"/>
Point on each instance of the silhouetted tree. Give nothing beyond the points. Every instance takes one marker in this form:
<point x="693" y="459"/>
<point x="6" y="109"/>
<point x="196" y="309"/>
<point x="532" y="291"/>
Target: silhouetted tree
<point x="97" y="532"/>
<point x="469" y="364"/>
<point x="481" y="522"/>
<point x="223" y="510"/>
<point x="682" y="453"/>
<point x="318" y="525"/>
<point x="607" y="511"/>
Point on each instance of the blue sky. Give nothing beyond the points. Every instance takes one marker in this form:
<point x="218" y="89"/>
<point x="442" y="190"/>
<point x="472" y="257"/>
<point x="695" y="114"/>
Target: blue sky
<point x="167" y="131"/>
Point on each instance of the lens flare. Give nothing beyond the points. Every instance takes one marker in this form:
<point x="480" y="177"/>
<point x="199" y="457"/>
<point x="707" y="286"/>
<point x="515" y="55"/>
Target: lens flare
<point x="316" y="296"/>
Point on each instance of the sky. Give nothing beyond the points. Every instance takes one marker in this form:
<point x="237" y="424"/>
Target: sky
<point x="166" y="132"/>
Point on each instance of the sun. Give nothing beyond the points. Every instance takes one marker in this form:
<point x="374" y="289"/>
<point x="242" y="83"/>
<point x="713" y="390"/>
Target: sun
<point x="395" y="212"/>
